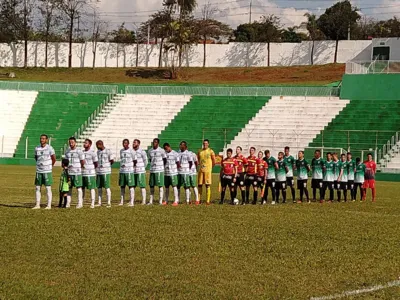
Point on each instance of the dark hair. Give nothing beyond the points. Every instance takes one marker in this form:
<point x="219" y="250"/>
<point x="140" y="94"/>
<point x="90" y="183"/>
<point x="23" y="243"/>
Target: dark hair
<point x="334" y="154"/>
<point x="358" y="160"/>
<point x="329" y="153"/>
<point x="72" y="138"/>
<point x="266" y="152"/>
<point x="317" y="151"/>
<point x="348" y="153"/>
<point x="343" y="155"/>
<point x="241" y="149"/>
<point x="125" y="140"/>
<point x="253" y="148"/>
<point x="156" y="139"/>
<point x="287" y="148"/>
<point x="369" y="154"/>
<point x="136" y="140"/>
<point x="65" y="162"/>
<point x="166" y="145"/>
<point x="280" y="153"/>
<point x="99" y="142"/>
<point x="229" y="150"/>
<point x="183" y="142"/>
<point x="45" y="135"/>
<point x="88" y="140"/>
<point x="206" y="140"/>
<point x="301" y="151"/>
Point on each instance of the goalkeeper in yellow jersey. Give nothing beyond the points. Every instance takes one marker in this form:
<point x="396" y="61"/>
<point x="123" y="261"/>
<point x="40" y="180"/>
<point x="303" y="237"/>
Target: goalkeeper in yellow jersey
<point x="206" y="158"/>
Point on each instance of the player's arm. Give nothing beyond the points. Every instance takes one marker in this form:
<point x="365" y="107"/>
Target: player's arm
<point x="286" y="167"/>
<point x="236" y="171"/>
<point x="164" y="158"/>
<point x="265" y="171"/>
<point x="145" y="158"/>
<point x="134" y="158"/>
<point x="111" y="158"/>
<point x="307" y="166"/>
<point x="82" y="159"/>
<point x="213" y="159"/>
<point x="340" y="174"/>
<point x="178" y="162"/>
<point x="276" y="166"/>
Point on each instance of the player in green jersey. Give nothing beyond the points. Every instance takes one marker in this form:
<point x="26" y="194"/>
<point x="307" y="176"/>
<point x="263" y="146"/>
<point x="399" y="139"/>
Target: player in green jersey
<point x="359" y="178"/>
<point x="317" y="175"/>
<point x="343" y="177"/>
<point x="328" y="170"/>
<point x="281" y="178"/>
<point x="290" y="163"/>
<point x="272" y="166"/>
<point x="302" y="168"/>
<point x="351" y="169"/>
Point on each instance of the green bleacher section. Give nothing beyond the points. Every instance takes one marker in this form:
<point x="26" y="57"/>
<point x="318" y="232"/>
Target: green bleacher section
<point x="58" y="115"/>
<point x="356" y="127"/>
<point x="216" y="118"/>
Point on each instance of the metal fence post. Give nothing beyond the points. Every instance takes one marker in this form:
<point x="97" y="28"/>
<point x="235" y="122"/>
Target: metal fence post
<point x="26" y="147"/>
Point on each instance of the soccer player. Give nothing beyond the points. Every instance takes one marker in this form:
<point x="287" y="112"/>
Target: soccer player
<point x="193" y="177"/>
<point x="359" y="178"/>
<point x="370" y="171"/>
<point x="302" y="168"/>
<point x="242" y="163"/>
<point x="126" y="176"/>
<point x="290" y="162"/>
<point x="251" y="176"/>
<point x="106" y="159"/>
<point x="262" y="168"/>
<point x="336" y="172"/>
<point x="158" y="160"/>
<point x="228" y="177"/>
<point x="272" y="167"/>
<point x="343" y="177"/>
<point x="351" y="169"/>
<point x="76" y="159"/>
<point x="139" y="170"/>
<point x="329" y="177"/>
<point x="206" y="157"/>
<point x="317" y="164"/>
<point x="171" y="173"/>
<point x="89" y="171"/>
<point x="45" y="159"/>
<point x="185" y="167"/>
<point x="63" y="187"/>
<point x="281" y="178"/>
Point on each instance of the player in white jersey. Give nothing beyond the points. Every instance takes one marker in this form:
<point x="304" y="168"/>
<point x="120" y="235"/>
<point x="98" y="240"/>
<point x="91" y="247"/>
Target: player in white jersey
<point x="158" y="160"/>
<point x="103" y="180"/>
<point x="193" y="177"/>
<point x="139" y="170"/>
<point x="185" y="170"/>
<point x="76" y="159"/>
<point x="171" y="173"/>
<point x="126" y="176"/>
<point x="45" y="159"/>
<point x="89" y="171"/>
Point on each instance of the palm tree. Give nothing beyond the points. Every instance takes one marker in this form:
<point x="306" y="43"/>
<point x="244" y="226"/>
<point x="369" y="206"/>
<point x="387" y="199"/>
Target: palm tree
<point x="184" y="6"/>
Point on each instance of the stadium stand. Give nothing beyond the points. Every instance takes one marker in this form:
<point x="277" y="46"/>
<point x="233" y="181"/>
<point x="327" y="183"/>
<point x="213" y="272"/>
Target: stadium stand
<point x="16" y="107"/>
<point x="59" y="115"/>
<point x="288" y="121"/>
<point x="217" y="118"/>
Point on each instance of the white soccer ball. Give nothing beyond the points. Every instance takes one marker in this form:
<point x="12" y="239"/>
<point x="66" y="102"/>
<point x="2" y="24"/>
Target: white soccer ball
<point x="236" y="201"/>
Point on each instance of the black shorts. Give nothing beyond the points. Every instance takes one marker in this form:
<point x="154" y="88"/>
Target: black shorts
<point x="251" y="180"/>
<point x="289" y="181"/>
<point x="350" y="184"/>
<point x="260" y="181"/>
<point x="343" y="185"/>
<point x="316" y="183"/>
<point x="227" y="180"/>
<point x="270" y="183"/>
<point x="280" y="185"/>
<point x="336" y="185"/>
<point x="301" y="183"/>
<point x="328" y="185"/>
<point x="240" y="179"/>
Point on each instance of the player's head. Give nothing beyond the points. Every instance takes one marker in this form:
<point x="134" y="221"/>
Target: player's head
<point x="287" y="149"/>
<point x="183" y="146"/>
<point x="369" y="156"/>
<point x="343" y="157"/>
<point x="267" y="153"/>
<point x="65" y="163"/>
<point x="252" y="151"/>
<point x="300" y="154"/>
<point x="167" y="147"/>
<point x="156" y="142"/>
<point x="260" y="154"/>
<point x="317" y="154"/>
<point x="136" y="144"/>
<point x="72" y="142"/>
<point x="125" y="144"/>
<point x="280" y="155"/>
<point x="87" y="144"/>
<point x="206" y="144"/>
<point x="238" y="150"/>
<point x="349" y="156"/>
<point x="335" y="156"/>
<point x="358" y="160"/>
<point x="329" y="156"/>
<point x="229" y="152"/>
<point x="43" y="139"/>
<point x="100" y="145"/>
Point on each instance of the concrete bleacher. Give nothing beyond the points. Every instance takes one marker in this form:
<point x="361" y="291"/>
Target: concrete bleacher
<point x="15" y="109"/>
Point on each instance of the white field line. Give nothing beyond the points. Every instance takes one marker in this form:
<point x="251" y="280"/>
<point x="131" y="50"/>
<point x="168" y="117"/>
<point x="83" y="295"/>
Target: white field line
<point x="358" y="292"/>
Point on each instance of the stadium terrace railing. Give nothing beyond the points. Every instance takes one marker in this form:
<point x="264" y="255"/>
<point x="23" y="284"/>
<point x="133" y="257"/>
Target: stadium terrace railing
<point x="373" y="67"/>
<point x="323" y="91"/>
<point x="58" y="87"/>
<point x="390" y="149"/>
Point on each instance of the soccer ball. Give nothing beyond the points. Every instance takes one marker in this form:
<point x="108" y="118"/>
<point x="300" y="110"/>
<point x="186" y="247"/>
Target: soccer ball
<point x="236" y="201"/>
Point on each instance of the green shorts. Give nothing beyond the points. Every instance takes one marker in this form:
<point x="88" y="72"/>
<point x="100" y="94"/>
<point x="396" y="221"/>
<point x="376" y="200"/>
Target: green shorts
<point x="184" y="180"/>
<point x="103" y="181"/>
<point x="156" y="179"/>
<point x="139" y="180"/>
<point x="89" y="182"/>
<point x="45" y="179"/>
<point x="193" y="180"/>
<point x="170" y="180"/>
<point x="76" y="180"/>
<point x="126" y="179"/>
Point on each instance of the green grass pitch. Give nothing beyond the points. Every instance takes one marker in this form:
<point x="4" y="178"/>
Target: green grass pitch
<point x="190" y="252"/>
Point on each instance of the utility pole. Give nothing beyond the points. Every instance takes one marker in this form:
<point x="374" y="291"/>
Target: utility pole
<point x="251" y="4"/>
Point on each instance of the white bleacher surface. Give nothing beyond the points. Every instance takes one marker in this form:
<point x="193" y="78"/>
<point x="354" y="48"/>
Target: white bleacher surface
<point x="15" y="107"/>
<point x="131" y="116"/>
<point x="288" y="121"/>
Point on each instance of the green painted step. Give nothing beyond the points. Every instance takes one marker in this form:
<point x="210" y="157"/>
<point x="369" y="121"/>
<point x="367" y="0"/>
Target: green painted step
<point x="59" y="115"/>
<point x="216" y="118"/>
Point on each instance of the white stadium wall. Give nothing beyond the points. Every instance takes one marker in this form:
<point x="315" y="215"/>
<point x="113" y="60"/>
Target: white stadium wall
<point x="218" y="55"/>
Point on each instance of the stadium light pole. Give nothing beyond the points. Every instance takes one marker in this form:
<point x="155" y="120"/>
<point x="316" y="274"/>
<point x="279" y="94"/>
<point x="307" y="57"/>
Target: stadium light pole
<point x="251" y="4"/>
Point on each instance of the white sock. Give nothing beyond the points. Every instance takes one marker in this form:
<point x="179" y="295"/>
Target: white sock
<point x="122" y="194"/>
<point x="108" y="196"/>
<point x="100" y="193"/>
<point x="143" y="195"/>
<point x="37" y="195"/>
<point x="93" y="196"/>
<point x="49" y="195"/>
<point x="69" y="197"/>
<point x="179" y="194"/>
<point x="176" y="194"/>
<point x="80" y="198"/>
<point x="187" y="191"/>
<point x="196" y="193"/>
<point x="151" y="195"/>
<point x="166" y="194"/>
<point x="83" y="193"/>
<point x="132" y="194"/>
<point x="161" y="194"/>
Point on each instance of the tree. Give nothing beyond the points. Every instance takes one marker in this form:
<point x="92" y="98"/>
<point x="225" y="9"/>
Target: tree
<point x="99" y="27"/>
<point x="387" y="28"/>
<point x="314" y="32"/>
<point x="184" y="6"/>
<point x="337" y="20"/>
<point x="123" y="36"/>
<point x="290" y="35"/>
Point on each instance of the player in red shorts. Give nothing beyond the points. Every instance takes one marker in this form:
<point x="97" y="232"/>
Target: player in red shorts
<point x="228" y="176"/>
<point x="369" y="183"/>
<point x="262" y="169"/>
<point x="242" y="163"/>
<point x="251" y="176"/>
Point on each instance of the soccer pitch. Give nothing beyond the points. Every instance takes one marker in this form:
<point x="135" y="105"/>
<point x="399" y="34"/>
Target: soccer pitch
<point x="288" y="251"/>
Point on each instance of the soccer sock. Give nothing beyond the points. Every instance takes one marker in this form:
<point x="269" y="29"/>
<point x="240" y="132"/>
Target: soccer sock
<point x="284" y="195"/>
<point x="122" y="195"/>
<point x="208" y="192"/>
<point x="339" y="195"/>
<point x="65" y="201"/>
<point x="247" y="195"/>
<point x="80" y="198"/>
<point x="293" y="194"/>
<point x="331" y="193"/>
<point x="314" y="193"/>
<point x="100" y="194"/>
<point x="373" y="194"/>
<point x="255" y="196"/>
<point x="151" y="195"/>
<point x="196" y="193"/>
<point x="37" y="195"/>
<point x="176" y="194"/>
<point x="306" y="192"/>
<point x="143" y="195"/>
<point x="277" y="195"/>
<point x="322" y="195"/>
<point x="222" y="196"/>
<point x="83" y="193"/>
<point x="161" y="194"/>
<point x="273" y="193"/>
<point x="243" y="196"/>
<point x="108" y="196"/>
<point x="60" y="203"/>
<point x="345" y="194"/>
<point x="301" y="189"/>
<point x="200" y="192"/>
<point x="166" y="196"/>
<point x="233" y="192"/>
<point x="132" y="196"/>
<point x="93" y="196"/>
<point x="49" y="196"/>
<point x="69" y="198"/>
<point x="187" y="193"/>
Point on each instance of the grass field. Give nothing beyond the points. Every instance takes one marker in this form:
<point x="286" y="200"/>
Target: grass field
<point x="190" y="252"/>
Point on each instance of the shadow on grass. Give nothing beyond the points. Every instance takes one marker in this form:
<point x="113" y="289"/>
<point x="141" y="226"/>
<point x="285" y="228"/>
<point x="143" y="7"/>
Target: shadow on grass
<point x="148" y="73"/>
<point x="15" y="205"/>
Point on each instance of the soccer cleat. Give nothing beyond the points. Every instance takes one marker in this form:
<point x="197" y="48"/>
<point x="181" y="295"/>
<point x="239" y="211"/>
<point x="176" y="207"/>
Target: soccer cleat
<point x="92" y="206"/>
<point x="48" y="207"/>
<point x="150" y="203"/>
<point x="121" y="203"/>
<point x="321" y="201"/>
<point x="36" y="207"/>
<point x="309" y="201"/>
<point x="197" y="203"/>
<point x="79" y="206"/>
<point x="273" y="202"/>
<point x="130" y="204"/>
<point x="299" y="202"/>
<point x="294" y="201"/>
<point x="108" y="205"/>
<point x="373" y="200"/>
<point x="330" y="201"/>
<point x="208" y="203"/>
<point x="99" y="204"/>
<point x="164" y="203"/>
<point x="221" y="202"/>
<point x="175" y="204"/>
<point x="264" y="202"/>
